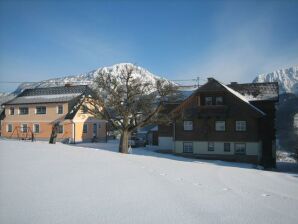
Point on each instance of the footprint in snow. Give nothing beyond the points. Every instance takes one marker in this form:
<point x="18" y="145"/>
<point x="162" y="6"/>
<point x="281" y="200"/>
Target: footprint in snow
<point x="265" y="195"/>
<point x="226" y="189"/>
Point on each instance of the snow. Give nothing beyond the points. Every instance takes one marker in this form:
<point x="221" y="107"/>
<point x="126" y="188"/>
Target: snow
<point x="241" y="97"/>
<point x="287" y="79"/>
<point x="92" y="183"/>
<point x="88" y="78"/>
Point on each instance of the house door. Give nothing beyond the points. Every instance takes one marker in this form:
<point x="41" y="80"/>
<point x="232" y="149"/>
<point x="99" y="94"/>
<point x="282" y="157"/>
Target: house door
<point x="94" y="130"/>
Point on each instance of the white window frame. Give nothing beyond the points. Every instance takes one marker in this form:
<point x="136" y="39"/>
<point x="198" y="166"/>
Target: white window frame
<point x="7" y="127"/>
<point x="85" y="125"/>
<point x="22" y="128"/>
<point x="241" y="125"/>
<point x="210" y="147"/>
<point x="41" y="113"/>
<point x="209" y="98"/>
<point x="60" y="105"/>
<point x="240" y="151"/>
<point x="220" y="125"/>
<point x="187" y="147"/>
<point x="187" y="125"/>
<point x="34" y="129"/>
<point x="20" y="110"/>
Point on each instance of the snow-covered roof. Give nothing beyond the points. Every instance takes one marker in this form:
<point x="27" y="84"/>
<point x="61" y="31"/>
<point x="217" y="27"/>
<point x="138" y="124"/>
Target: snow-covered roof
<point x="257" y="91"/>
<point x="241" y="97"/>
<point x="48" y="95"/>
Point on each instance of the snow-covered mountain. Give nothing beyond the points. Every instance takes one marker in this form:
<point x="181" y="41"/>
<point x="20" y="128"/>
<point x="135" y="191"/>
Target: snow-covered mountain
<point x="88" y="78"/>
<point x="286" y="78"/>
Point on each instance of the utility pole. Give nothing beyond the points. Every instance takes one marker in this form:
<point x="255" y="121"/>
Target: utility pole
<point x="198" y="81"/>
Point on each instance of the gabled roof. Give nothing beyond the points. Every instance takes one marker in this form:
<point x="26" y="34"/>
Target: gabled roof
<point x="49" y="95"/>
<point x="242" y="98"/>
<point x="257" y="91"/>
<point x="237" y="94"/>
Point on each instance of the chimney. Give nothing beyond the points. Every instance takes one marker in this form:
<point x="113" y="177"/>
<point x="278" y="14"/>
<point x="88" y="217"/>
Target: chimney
<point x="234" y="83"/>
<point x="68" y="84"/>
<point x="210" y="79"/>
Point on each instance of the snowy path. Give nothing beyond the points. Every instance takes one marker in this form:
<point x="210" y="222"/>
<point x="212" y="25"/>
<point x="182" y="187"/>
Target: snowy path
<point x="42" y="183"/>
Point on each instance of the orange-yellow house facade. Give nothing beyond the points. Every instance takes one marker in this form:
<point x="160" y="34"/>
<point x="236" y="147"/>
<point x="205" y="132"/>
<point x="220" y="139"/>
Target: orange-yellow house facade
<point x="35" y="111"/>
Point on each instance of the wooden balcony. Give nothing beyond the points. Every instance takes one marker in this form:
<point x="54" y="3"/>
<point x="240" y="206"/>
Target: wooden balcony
<point x="212" y="110"/>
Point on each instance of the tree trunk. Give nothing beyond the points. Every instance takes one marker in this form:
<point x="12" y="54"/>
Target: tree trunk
<point x="123" y="146"/>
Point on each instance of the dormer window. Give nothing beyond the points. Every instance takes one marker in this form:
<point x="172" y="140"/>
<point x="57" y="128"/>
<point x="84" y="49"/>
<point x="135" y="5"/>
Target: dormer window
<point x="208" y="100"/>
<point x="219" y="100"/>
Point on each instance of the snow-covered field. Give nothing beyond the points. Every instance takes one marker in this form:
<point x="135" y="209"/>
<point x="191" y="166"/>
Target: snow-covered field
<point x="42" y="183"/>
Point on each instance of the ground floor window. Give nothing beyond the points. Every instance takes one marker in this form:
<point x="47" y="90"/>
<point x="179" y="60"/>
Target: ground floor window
<point x="85" y="128"/>
<point x="60" y="129"/>
<point x="240" y="148"/>
<point x="227" y="147"/>
<point x="36" y="128"/>
<point x="187" y="147"/>
<point x="210" y="146"/>
<point x="9" y="128"/>
<point x="24" y="128"/>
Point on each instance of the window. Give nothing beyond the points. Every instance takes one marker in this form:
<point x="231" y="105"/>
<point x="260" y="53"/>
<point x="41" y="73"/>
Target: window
<point x="9" y="128"/>
<point x="208" y="100"/>
<point x="85" y="128"/>
<point x="41" y="110"/>
<point x="220" y="125"/>
<point x="23" y="110"/>
<point x="84" y="109"/>
<point x="210" y="146"/>
<point x="188" y="126"/>
<point x="36" y="128"/>
<point x="24" y="128"/>
<point x="227" y="147"/>
<point x="11" y="111"/>
<point x="60" y="109"/>
<point x="240" y="125"/>
<point x="187" y="147"/>
<point x="219" y="100"/>
<point x="60" y="129"/>
<point x="240" y="148"/>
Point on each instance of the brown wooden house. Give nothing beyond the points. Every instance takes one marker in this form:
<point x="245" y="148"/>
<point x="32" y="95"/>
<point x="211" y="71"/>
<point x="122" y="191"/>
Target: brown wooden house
<point x="229" y="122"/>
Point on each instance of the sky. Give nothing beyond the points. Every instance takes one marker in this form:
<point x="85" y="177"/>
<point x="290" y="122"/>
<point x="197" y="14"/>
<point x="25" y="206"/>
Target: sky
<point x="227" y="40"/>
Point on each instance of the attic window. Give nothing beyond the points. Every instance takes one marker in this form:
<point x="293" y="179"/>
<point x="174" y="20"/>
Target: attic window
<point x="208" y="100"/>
<point x="219" y="100"/>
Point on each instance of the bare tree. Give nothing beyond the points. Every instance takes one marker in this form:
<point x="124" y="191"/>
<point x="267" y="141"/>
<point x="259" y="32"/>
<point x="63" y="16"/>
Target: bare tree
<point x="128" y="100"/>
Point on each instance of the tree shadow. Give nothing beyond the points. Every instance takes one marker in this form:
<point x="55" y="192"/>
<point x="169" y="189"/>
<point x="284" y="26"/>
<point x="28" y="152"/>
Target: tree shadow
<point x="287" y="167"/>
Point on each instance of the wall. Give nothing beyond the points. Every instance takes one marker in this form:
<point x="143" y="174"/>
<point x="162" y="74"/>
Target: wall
<point x="201" y="147"/>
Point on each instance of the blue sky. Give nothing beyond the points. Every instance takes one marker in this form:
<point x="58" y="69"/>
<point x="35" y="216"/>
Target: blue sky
<point x="229" y="40"/>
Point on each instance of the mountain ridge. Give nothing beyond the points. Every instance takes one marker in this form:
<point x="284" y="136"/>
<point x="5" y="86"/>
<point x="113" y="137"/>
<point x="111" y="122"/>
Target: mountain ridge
<point x="287" y="79"/>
